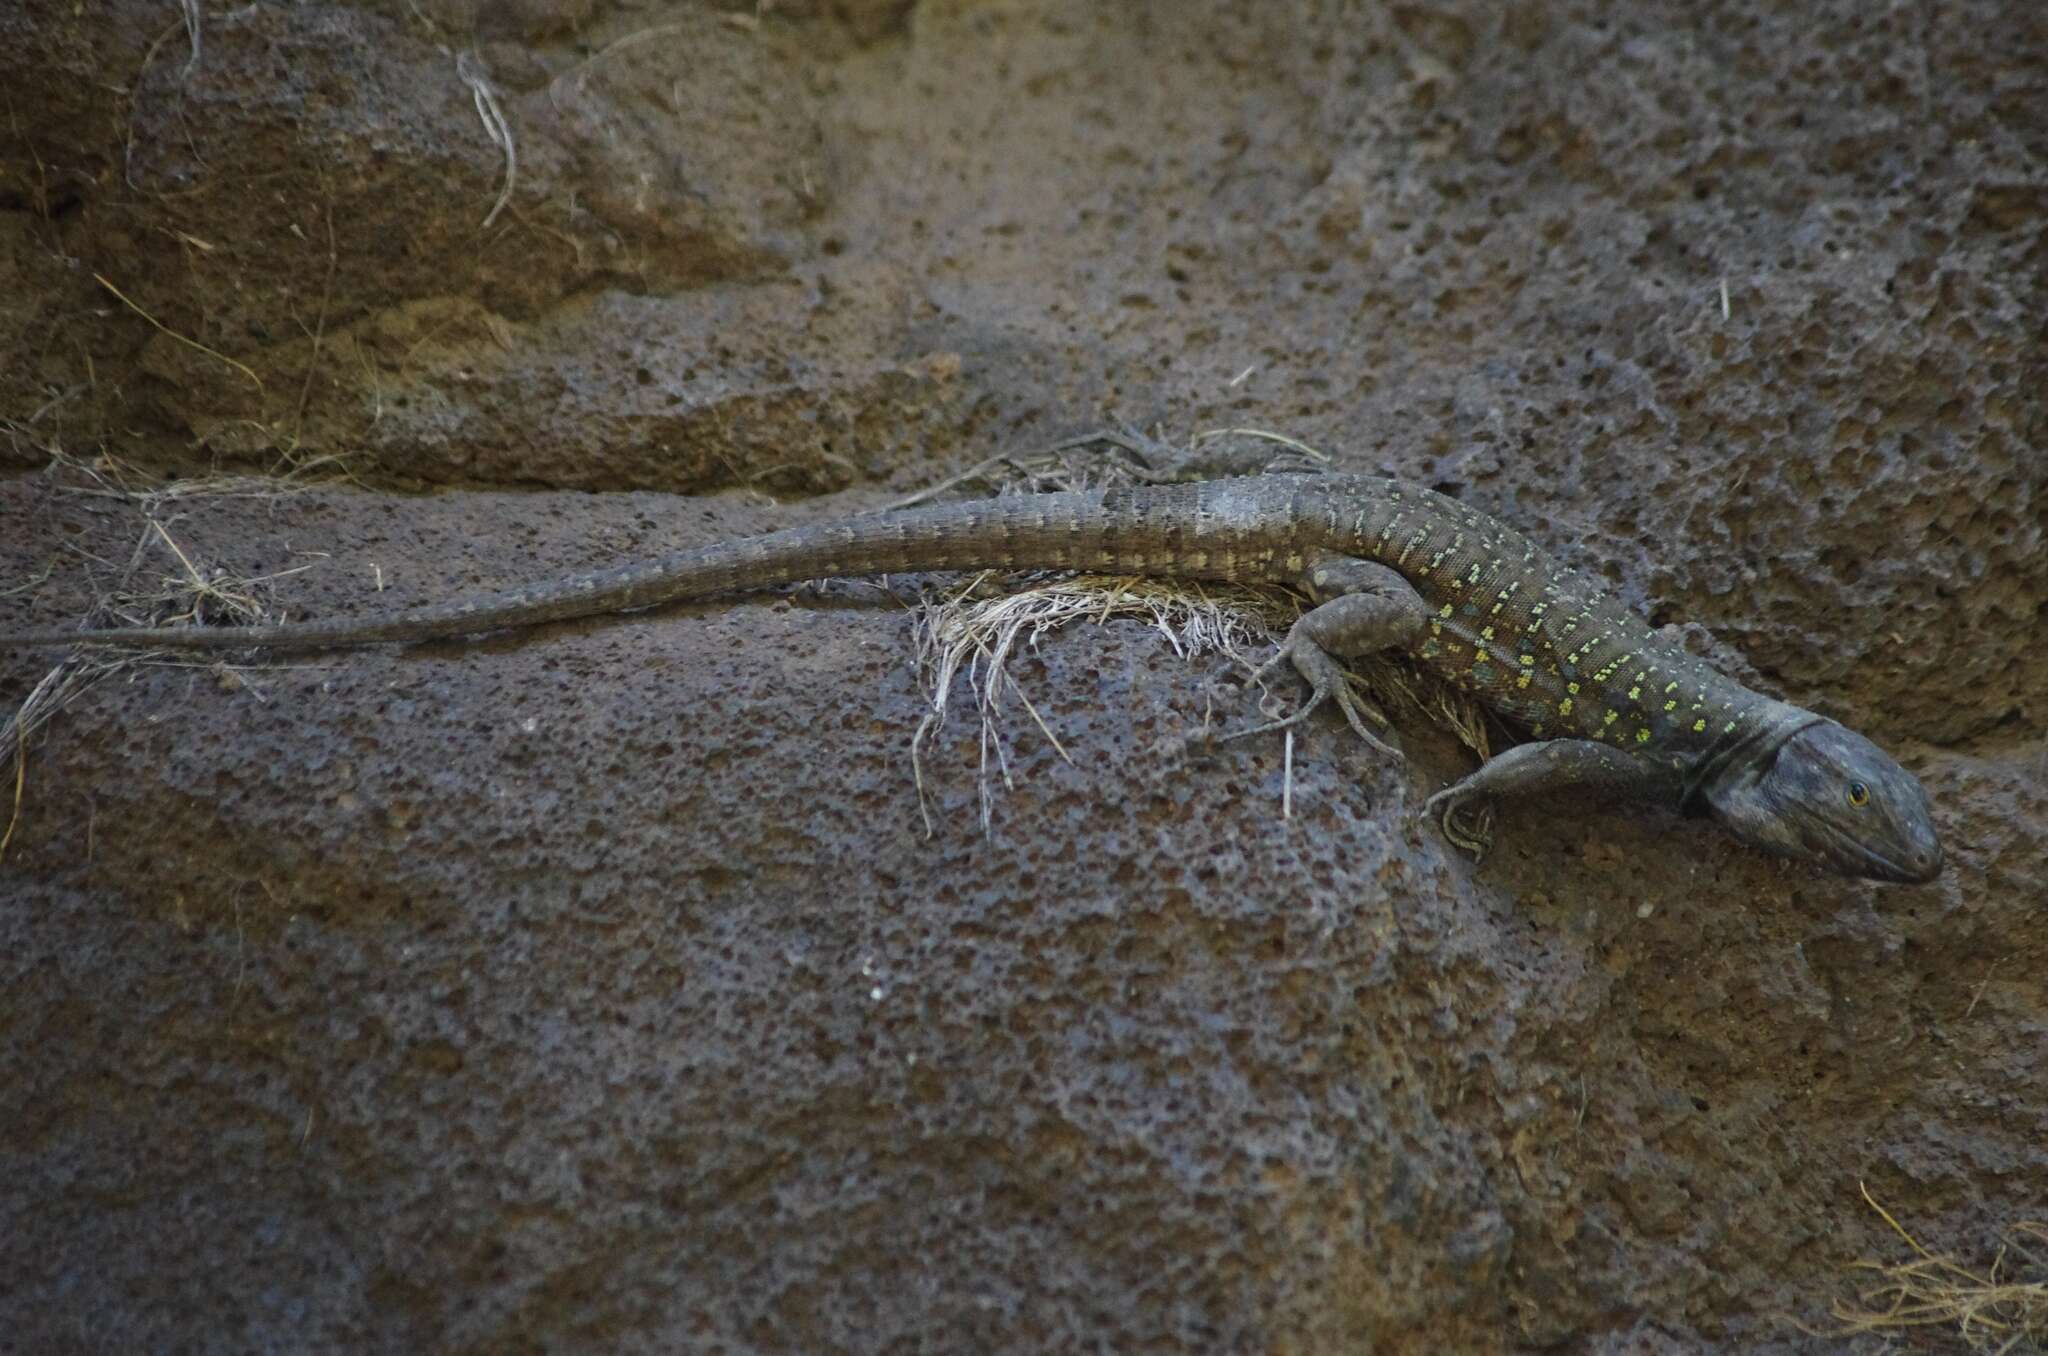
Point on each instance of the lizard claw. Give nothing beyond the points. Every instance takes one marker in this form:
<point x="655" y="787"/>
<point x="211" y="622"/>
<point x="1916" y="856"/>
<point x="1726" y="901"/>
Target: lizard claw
<point x="1327" y="682"/>
<point x="1449" y="804"/>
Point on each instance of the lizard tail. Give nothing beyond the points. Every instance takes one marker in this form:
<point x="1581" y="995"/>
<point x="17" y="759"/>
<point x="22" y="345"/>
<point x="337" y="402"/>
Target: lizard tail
<point x="1145" y="529"/>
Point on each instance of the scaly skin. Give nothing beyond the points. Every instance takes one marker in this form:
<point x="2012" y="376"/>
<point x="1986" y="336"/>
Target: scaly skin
<point x="1394" y="567"/>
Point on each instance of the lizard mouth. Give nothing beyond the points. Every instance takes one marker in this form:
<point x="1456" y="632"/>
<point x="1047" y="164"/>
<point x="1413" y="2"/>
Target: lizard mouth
<point x="1850" y="855"/>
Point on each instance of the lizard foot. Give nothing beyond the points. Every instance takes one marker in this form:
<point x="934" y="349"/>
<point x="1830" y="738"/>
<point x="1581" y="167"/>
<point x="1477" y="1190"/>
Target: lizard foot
<point x="1450" y="804"/>
<point x="1326" y="682"/>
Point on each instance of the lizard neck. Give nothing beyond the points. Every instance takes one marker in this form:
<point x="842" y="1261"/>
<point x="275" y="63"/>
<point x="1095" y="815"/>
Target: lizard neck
<point x="1734" y="755"/>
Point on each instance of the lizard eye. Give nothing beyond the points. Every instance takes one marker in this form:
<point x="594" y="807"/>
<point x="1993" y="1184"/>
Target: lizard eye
<point x="1859" y="794"/>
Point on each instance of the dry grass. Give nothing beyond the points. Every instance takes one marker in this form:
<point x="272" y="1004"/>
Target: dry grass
<point x="106" y="476"/>
<point x="318" y="336"/>
<point x="1108" y="457"/>
<point x="969" y="630"/>
<point x="469" y="68"/>
<point x="2001" y="1308"/>
<point x="1299" y="457"/>
<point x="184" y="339"/>
<point x="58" y="688"/>
<point x="193" y="28"/>
<point x="1090" y="460"/>
<point x="964" y="631"/>
<point x="187" y="593"/>
<point x="981" y="634"/>
<point x="179" y="591"/>
<point x="141" y="73"/>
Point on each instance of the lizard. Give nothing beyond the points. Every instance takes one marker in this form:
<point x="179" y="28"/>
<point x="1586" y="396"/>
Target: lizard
<point x="1389" y="566"/>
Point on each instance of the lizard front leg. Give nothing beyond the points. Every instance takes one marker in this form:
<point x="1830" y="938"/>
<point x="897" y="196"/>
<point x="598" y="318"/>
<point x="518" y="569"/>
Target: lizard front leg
<point x="1552" y="765"/>
<point x="1363" y="607"/>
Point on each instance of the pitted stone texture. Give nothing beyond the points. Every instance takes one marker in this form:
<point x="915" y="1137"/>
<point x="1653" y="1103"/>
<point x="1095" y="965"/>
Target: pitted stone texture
<point x="591" y="396"/>
<point x="599" y="988"/>
<point x="602" y="982"/>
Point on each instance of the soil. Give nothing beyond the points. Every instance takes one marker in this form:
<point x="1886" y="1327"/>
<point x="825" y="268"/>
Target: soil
<point x="599" y="988"/>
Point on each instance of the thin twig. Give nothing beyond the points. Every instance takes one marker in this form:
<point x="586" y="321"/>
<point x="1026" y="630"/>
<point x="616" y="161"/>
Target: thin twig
<point x="319" y="331"/>
<point x="29" y="584"/>
<point x="1287" y="775"/>
<point x="191" y="8"/>
<point x="581" y="72"/>
<point x="1264" y="435"/>
<point x="20" y="784"/>
<point x="1886" y="1215"/>
<point x="469" y="67"/>
<point x="166" y="329"/>
<point x="128" y="149"/>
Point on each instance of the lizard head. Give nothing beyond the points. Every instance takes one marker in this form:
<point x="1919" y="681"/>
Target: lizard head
<point x="1828" y="795"/>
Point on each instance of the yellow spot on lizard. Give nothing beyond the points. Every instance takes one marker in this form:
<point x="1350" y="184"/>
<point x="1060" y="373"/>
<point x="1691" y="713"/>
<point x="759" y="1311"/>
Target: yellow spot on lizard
<point x="1564" y="708"/>
<point x="1699" y="727"/>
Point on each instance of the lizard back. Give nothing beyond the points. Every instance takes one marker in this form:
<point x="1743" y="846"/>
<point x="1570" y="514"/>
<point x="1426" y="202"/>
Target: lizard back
<point x="1539" y="642"/>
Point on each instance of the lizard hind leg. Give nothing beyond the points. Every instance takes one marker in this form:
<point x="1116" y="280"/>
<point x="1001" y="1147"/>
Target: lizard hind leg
<point x="1545" y="766"/>
<point x="1362" y="608"/>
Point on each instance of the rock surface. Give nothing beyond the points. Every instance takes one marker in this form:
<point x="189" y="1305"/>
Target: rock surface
<point x="598" y="988"/>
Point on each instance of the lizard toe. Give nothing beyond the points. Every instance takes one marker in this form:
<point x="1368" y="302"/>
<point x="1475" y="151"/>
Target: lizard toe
<point x="1356" y="709"/>
<point x="1448" y="806"/>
